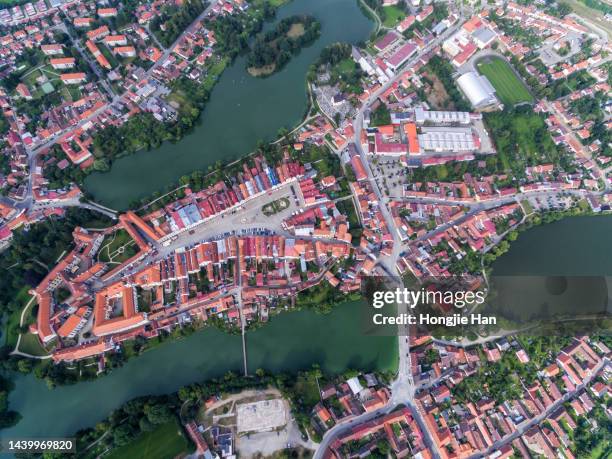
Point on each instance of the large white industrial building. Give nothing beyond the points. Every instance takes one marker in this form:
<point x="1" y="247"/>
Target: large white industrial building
<point x="447" y="140"/>
<point x="477" y="89"/>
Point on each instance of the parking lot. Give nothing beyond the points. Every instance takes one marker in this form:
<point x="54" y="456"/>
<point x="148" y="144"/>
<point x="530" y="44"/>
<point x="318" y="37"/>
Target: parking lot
<point x="550" y="202"/>
<point x="390" y="175"/>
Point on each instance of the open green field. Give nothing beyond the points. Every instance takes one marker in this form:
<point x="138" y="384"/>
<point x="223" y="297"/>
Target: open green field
<point x="167" y="441"/>
<point x="393" y="15"/>
<point x="521" y="138"/>
<point x="509" y="88"/>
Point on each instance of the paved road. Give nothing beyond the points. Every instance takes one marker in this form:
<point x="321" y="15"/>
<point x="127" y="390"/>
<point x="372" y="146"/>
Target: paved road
<point x="402" y="388"/>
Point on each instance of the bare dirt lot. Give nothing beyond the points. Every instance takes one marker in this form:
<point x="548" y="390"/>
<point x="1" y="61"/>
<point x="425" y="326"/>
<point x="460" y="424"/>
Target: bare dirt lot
<point x="437" y="96"/>
<point x="261" y="416"/>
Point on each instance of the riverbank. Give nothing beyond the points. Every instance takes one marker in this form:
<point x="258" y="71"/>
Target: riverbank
<point x="238" y="113"/>
<point x="288" y="343"/>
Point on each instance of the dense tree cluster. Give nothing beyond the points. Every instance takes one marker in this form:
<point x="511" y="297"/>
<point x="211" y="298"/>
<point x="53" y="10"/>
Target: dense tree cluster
<point x="336" y="60"/>
<point x="381" y="116"/>
<point x="522" y="139"/>
<point x="4" y="125"/>
<point x="139" y="131"/>
<point x="589" y="440"/>
<point x="8" y="417"/>
<point x="60" y="178"/>
<point x="498" y="380"/>
<point x="334" y="54"/>
<point x="173" y="20"/>
<point x="233" y="31"/>
<point x="275" y="48"/>
<point x="444" y="71"/>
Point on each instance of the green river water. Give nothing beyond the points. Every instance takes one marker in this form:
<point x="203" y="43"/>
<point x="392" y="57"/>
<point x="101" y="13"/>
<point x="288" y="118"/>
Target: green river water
<point x="576" y="246"/>
<point x="242" y="109"/>
<point x="291" y="341"/>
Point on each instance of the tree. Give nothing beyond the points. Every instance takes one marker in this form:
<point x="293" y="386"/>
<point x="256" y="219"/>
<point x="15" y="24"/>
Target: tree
<point x="383" y="447"/>
<point x="145" y="425"/>
<point x="123" y="434"/>
<point x="24" y="366"/>
<point x="159" y="414"/>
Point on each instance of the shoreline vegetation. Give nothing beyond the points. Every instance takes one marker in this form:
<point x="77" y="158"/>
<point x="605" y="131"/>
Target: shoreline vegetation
<point x="272" y="50"/>
<point x="143" y="131"/>
<point x="143" y="415"/>
<point x="475" y="262"/>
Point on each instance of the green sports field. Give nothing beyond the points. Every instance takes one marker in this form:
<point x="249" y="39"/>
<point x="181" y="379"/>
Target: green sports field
<point x="508" y="87"/>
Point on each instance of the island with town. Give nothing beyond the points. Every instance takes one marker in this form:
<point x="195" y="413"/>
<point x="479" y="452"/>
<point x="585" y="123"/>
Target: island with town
<point x="428" y="149"/>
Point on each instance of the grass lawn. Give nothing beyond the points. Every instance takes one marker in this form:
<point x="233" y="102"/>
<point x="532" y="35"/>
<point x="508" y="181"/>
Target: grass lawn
<point x="393" y="15"/>
<point x="11" y="329"/>
<point x="117" y="247"/>
<point x="601" y="451"/>
<point x="167" y="441"/>
<point x="306" y="387"/>
<point x="275" y="207"/>
<point x="213" y="73"/>
<point x="344" y="67"/>
<point x="30" y="344"/>
<point x="30" y="78"/>
<point x="110" y="57"/>
<point x="527" y="206"/>
<point x="74" y="91"/>
<point x="509" y="88"/>
<point x="584" y="205"/>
